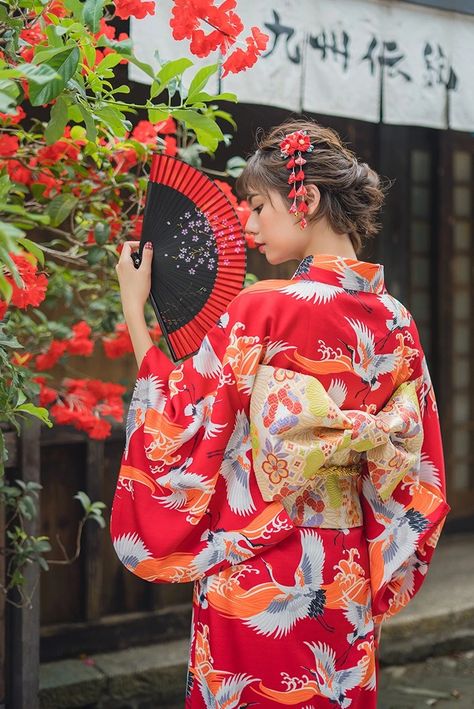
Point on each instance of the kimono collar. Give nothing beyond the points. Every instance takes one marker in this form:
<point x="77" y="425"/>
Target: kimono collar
<point x="349" y="273"/>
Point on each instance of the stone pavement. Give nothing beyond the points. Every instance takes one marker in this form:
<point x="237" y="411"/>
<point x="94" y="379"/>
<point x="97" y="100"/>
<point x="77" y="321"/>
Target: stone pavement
<point x="439" y="621"/>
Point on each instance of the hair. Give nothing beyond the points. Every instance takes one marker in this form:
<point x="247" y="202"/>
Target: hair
<point x="352" y="193"/>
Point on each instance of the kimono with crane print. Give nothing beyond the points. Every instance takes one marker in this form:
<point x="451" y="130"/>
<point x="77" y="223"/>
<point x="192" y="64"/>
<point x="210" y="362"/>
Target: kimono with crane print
<point x="293" y="470"/>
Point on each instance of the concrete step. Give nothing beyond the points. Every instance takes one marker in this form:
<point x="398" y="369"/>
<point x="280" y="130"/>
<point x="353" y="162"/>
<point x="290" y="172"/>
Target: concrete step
<point x="438" y="621"/>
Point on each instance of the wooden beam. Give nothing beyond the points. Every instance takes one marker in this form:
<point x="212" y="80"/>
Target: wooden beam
<point x="23" y="623"/>
<point x="92" y="546"/>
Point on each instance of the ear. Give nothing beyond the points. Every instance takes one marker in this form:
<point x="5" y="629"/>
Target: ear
<point x="313" y="198"/>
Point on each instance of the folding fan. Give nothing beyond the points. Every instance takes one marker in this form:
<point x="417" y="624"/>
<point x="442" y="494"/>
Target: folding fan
<point x="199" y="252"/>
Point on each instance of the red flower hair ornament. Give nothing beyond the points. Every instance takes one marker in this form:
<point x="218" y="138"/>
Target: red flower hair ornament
<point x="292" y="145"/>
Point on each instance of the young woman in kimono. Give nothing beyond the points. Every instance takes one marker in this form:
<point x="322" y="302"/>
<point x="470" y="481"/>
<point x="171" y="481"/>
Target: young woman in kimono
<point x="293" y="467"/>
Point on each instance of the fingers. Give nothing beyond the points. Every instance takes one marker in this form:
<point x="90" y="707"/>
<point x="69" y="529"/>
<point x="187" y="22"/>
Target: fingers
<point x="125" y="255"/>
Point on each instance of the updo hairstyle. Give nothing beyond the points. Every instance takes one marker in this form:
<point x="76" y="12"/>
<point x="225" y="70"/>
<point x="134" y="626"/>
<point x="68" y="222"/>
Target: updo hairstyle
<point x="352" y="193"/>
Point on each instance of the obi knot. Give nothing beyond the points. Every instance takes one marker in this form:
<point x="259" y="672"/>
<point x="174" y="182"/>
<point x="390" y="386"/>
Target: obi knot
<point x="300" y="436"/>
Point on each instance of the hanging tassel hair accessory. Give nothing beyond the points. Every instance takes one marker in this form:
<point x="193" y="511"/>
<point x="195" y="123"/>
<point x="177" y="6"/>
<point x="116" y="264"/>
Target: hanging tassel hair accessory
<point x="292" y="146"/>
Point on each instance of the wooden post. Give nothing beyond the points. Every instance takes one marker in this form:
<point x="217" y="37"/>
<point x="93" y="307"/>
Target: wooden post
<point x="23" y="624"/>
<point x="93" y="534"/>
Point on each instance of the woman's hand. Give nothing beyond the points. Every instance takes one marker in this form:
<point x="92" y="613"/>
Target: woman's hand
<point x="135" y="283"/>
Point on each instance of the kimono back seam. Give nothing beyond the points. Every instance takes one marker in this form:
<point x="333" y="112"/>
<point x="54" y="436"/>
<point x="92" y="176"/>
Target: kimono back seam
<point x="293" y="469"/>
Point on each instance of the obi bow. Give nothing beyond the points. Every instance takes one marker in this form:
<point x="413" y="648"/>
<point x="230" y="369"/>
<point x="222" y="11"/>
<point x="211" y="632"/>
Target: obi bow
<point x="298" y="433"/>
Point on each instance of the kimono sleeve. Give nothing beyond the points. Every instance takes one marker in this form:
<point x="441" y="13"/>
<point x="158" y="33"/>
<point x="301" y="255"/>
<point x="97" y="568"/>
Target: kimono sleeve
<point x="403" y="531"/>
<point x="187" y="504"/>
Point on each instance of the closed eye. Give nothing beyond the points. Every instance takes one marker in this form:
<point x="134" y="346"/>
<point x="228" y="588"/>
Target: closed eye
<point x="258" y="209"/>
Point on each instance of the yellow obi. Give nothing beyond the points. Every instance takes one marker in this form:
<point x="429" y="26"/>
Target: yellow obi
<point x="310" y="454"/>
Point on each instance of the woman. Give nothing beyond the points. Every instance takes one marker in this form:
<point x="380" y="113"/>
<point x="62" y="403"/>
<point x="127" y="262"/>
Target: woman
<point x="293" y="467"/>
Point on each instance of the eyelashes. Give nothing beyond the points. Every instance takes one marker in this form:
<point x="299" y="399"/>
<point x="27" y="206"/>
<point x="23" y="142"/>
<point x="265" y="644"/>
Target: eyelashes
<point x="258" y="209"/>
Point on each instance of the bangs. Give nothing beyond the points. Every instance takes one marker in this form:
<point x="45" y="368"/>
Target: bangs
<point x="257" y="176"/>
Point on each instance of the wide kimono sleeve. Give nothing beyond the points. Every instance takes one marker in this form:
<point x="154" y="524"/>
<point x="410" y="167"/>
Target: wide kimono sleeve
<point x="186" y="503"/>
<point x="403" y="531"/>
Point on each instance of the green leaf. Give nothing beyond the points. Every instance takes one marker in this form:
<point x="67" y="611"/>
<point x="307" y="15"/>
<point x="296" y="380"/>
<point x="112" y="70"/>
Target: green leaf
<point x="113" y="119"/>
<point x="207" y="131"/>
<point x="44" y="54"/>
<point x="38" y="74"/>
<point x="157" y="114"/>
<point x="93" y="11"/>
<point x="65" y="64"/>
<point x="125" y="48"/>
<point x="38" y="411"/>
<point x="33" y="248"/>
<point x="95" y="254"/>
<point x="203" y="96"/>
<point x="91" y="130"/>
<point x="108" y="62"/>
<point x="83" y="499"/>
<point x="173" y="68"/>
<point x="226" y="117"/>
<point x="101" y="233"/>
<point x="5" y="288"/>
<point x="200" y="79"/>
<point x="21" y="211"/>
<point x="89" y="53"/>
<point x="57" y="122"/>
<point x="235" y="165"/>
<point x="60" y="208"/>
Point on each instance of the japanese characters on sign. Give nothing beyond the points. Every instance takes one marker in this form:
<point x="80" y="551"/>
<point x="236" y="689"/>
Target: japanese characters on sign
<point x="375" y="61"/>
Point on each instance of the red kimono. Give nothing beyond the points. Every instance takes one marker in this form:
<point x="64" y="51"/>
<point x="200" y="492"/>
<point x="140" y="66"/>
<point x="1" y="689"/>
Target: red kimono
<point x="293" y="469"/>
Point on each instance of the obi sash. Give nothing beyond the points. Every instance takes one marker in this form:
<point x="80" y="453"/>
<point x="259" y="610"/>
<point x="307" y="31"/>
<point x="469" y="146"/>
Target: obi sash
<point x="311" y="455"/>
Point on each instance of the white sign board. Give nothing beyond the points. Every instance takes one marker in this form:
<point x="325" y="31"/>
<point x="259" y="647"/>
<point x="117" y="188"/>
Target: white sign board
<point x="367" y="59"/>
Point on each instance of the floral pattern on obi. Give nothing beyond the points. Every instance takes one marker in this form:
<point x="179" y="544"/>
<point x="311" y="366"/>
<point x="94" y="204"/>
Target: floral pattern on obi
<point x="310" y="455"/>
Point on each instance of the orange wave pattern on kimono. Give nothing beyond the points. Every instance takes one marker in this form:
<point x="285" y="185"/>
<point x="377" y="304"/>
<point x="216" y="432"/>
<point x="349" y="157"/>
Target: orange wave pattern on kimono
<point x="292" y="560"/>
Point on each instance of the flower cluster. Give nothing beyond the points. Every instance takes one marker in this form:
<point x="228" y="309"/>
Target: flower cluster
<point x="85" y="402"/>
<point x="296" y="143"/>
<point x="225" y="27"/>
<point x="32" y="291"/>
<point x="136" y="8"/>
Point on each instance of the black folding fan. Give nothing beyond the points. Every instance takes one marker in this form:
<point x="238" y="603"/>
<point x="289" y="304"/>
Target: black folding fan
<point x="199" y="252"/>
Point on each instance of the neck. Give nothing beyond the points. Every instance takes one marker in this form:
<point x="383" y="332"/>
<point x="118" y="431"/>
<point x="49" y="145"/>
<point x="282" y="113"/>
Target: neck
<point x="327" y="241"/>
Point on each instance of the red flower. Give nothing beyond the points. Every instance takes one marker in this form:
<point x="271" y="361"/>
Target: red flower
<point x="170" y="146"/>
<point x="225" y="25"/>
<point x="298" y="140"/>
<point x="240" y="60"/>
<point x="51" y="356"/>
<point x="105" y="29"/>
<point x="137" y="221"/>
<point x="8" y="145"/>
<point x="186" y="17"/>
<point x="19" y="173"/>
<point x="80" y="343"/>
<point x="3" y="308"/>
<point x="58" y="152"/>
<point x="33" y="291"/>
<point x="243" y="212"/>
<point x="56" y="8"/>
<point x="120" y="344"/>
<point x="33" y="35"/>
<point x="46" y="178"/>
<point x="135" y="8"/>
<point x="46" y="394"/>
<point x="155" y="332"/>
<point x="146" y="132"/>
<point x="10" y="119"/>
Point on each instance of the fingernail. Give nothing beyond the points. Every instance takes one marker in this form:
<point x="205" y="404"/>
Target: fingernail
<point x="148" y="245"/>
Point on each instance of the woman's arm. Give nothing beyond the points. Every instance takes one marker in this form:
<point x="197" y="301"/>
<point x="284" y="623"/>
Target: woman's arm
<point x="134" y="290"/>
<point x="138" y="332"/>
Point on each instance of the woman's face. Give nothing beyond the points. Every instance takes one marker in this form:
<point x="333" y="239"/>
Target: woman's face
<point x="275" y="228"/>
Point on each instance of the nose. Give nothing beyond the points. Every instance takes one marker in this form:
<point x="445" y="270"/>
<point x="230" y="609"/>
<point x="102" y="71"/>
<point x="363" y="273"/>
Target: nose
<point x="251" y="225"/>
